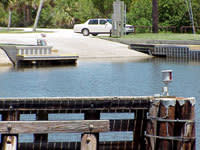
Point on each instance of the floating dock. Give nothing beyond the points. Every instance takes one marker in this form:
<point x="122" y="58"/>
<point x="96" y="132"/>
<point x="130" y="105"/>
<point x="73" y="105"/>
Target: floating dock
<point x="169" y="50"/>
<point x="155" y="123"/>
<point x="31" y="54"/>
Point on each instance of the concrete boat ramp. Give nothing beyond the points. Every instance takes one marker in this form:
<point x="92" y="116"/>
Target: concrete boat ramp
<point x="70" y="43"/>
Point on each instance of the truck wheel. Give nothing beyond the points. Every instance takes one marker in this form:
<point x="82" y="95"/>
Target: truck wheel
<point x="85" y="32"/>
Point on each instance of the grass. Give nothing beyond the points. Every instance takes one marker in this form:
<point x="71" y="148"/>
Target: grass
<point x="162" y="36"/>
<point x="6" y="31"/>
<point x="11" y="31"/>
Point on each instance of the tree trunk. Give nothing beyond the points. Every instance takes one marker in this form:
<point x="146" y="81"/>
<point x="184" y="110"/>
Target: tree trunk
<point x="155" y="16"/>
<point x="38" y="15"/>
<point x="9" y="18"/>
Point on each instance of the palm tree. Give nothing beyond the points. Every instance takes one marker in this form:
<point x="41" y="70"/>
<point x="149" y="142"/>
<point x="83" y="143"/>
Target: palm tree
<point x="38" y="15"/>
<point x="9" y="4"/>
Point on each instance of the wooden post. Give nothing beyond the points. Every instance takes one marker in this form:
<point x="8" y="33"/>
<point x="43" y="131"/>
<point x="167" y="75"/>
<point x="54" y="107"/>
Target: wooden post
<point x="41" y="138"/>
<point x="186" y="129"/>
<point x="166" y="129"/>
<point x="152" y="125"/>
<point x="88" y="142"/>
<point x="173" y="127"/>
<point x="91" y="115"/>
<point x="10" y="141"/>
<point x="138" y="132"/>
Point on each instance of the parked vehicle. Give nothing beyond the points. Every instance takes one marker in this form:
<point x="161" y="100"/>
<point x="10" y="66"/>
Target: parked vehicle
<point x="98" y="26"/>
<point x="128" y="28"/>
<point x="94" y="27"/>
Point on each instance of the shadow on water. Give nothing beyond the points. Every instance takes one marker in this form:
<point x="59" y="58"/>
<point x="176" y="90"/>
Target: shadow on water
<point x="46" y="65"/>
<point x="158" y="60"/>
<point x="50" y="65"/>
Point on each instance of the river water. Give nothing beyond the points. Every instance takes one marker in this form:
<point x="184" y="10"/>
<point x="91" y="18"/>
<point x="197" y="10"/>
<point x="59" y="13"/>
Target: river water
<point x="107" y="77"/>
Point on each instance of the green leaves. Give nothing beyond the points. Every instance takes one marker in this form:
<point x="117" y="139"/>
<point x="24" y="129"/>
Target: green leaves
<point x="64" y="13"/>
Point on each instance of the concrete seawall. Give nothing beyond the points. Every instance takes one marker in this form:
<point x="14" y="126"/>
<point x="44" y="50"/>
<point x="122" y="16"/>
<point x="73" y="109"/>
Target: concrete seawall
<point x="4" y="60"/>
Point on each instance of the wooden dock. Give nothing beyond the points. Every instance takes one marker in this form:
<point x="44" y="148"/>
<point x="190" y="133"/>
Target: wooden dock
<point x="158" y="122"/>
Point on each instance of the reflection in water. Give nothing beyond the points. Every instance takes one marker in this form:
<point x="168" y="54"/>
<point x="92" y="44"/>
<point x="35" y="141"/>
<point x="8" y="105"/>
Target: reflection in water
<point x="5" y="68"/>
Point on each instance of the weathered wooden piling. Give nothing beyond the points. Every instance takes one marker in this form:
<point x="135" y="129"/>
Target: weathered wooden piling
<point x="10" y="140"/>
<point x="171" y="124"/>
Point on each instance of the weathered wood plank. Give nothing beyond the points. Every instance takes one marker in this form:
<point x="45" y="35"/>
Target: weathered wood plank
<point x="20" y="127"/>
<point x="74" y="103"/>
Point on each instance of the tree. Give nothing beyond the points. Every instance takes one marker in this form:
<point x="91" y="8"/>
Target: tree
<point x="65" y="17"/>
<point x="155" y="18"/>
<point x="38" y="15"/>
<point x="9" y="4"/>
<point x="140" y="14"/>
<point x="84" y="11"/>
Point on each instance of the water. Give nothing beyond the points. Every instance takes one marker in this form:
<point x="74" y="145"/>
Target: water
<point x="118" y="77"/>
<point x="97" y="78"/>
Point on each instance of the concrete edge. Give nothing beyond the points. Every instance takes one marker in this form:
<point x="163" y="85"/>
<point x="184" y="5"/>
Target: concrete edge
<point x="142" y="41"/>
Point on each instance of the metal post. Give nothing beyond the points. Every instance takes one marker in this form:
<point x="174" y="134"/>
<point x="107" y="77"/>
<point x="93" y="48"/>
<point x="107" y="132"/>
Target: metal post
<point x="189" y="7"/>
<point x="167" y="78"/>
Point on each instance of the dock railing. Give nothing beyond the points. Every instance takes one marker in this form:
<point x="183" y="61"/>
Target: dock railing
<point x="34" y="50"/>
<point x="144" y="131"/>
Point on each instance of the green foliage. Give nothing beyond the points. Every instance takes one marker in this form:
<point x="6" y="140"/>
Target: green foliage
<point x="64" y="17"/>
<point x="65" y="13"/>
<point x="140" y="14"/>
<point x="84" y="11"/>
<point x="173" y="13"/>
<point x="2" y="15"/>
<point x="46" y="17"/>
<point x="196" y="10"/>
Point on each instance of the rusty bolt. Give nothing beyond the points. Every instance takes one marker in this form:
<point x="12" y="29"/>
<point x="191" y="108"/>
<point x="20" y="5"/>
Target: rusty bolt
<point x="9" y="127"/>
<point x="11" y="107"/>
<point x="92" y="105"/>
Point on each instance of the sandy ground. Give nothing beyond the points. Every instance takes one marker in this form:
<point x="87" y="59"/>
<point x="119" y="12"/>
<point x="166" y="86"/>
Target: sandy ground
<point x="4" y="60"/>
<point x="68" y="42"/>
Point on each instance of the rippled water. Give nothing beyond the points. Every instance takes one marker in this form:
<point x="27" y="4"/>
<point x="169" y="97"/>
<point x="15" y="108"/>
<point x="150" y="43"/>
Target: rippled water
<point x="111" y="77"/>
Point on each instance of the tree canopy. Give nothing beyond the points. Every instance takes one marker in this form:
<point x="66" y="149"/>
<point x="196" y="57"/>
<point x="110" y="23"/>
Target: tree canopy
<point x="65" y="13"/>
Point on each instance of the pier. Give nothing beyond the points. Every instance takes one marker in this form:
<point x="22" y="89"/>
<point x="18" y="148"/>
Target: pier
<point x="33" y="55"/>
<point x="157" y="123"/>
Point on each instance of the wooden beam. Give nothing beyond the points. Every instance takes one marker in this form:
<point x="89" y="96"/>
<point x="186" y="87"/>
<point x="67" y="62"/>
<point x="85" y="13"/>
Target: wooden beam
<point x="20" y="127"/>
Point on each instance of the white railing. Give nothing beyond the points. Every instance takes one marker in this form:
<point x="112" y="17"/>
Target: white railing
<point x="34" y="50"/>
